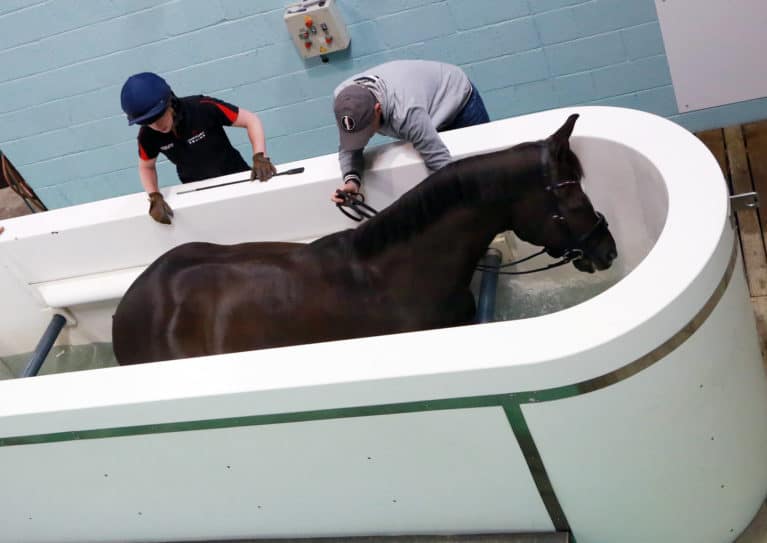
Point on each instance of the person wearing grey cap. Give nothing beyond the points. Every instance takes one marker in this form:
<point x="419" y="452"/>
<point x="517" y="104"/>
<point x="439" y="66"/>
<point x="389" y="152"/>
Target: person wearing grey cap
<point x="411" y="100"/>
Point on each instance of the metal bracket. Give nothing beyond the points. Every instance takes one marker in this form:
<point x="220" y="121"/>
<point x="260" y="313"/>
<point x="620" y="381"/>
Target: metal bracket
<point x="744" y="200"/>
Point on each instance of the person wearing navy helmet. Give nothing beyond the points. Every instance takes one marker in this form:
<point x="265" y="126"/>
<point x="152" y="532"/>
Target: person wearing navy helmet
<point x="189" y="132"/>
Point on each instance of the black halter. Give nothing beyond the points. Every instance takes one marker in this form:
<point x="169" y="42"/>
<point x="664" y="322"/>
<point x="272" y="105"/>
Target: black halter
<point x="577" y="244"/>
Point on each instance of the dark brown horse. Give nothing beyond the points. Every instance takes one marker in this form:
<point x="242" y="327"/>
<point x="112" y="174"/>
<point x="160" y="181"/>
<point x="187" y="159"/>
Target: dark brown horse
<point x="408" y="268"/>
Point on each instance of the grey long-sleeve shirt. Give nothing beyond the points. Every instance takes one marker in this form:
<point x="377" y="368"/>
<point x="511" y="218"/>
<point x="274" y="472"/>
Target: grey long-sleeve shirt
<point x="417" y="97"/>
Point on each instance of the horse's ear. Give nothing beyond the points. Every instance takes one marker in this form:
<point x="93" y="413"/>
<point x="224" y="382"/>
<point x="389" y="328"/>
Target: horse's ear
<point x="560" y="138"/>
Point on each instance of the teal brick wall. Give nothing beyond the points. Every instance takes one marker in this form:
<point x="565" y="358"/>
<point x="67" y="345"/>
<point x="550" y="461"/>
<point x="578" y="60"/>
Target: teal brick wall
<point x="64" y="61"/>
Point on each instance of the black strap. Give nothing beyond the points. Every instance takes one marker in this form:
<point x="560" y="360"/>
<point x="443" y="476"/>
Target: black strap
<point x="558" y="263"/>
<point x="568" y="257"/>
<point x="354" y="206"/>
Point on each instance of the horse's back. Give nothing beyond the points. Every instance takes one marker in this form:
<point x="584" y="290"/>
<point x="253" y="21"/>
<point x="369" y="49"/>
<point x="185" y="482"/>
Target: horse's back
<point x="170" y="309"/>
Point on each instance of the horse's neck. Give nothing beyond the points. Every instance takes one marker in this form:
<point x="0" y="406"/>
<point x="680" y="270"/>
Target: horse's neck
<point x="451" y="246"/>
<point x="453" y="215"/>
<point x="463" y="235"/>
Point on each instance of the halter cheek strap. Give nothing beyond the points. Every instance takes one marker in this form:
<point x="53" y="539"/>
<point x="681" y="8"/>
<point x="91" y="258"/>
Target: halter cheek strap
<point x="577" y="248"/>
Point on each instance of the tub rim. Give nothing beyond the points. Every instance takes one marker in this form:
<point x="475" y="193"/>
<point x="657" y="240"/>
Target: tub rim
<point x="524" y="354"/>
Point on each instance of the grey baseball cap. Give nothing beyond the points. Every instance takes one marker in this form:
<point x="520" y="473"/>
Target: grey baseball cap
<point x="354" y="107"/>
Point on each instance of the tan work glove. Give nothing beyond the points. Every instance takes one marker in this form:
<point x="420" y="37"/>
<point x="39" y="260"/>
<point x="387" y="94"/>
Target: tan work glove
<point x="263" y="169"/>
<point x="159" y="208"/>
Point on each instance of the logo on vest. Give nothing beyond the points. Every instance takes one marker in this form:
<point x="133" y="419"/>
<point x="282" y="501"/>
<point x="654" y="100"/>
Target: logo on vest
<point x="348" y="123"/>
<point x="197" y="137"/>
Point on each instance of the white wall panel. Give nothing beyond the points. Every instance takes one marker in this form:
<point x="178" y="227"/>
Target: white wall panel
<point x="715" y="50"/>
<point x="451" y="471"/>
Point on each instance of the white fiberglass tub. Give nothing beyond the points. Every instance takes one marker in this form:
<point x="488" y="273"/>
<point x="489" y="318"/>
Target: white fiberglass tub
<point x="637" y="414"/>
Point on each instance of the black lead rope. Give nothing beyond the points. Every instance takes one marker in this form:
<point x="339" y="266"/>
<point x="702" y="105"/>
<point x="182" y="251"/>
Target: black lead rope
<point x="569" y="257"/>
<point x="519" y="261"/>
<point x="354" y="206"/>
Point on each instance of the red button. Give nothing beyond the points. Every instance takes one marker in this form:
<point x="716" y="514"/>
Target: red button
<point x="308" y="44"/>
<point x="329" y="39"/>
<point x="308" y="22"/>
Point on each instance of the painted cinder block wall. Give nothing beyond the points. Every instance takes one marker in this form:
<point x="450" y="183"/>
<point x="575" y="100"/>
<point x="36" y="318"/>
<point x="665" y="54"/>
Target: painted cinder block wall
<point x="64" y="62"/>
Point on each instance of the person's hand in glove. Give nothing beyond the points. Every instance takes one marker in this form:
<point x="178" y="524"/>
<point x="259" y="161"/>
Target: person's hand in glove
<point x="159" y="208"/>
<point x="263" y="169"/>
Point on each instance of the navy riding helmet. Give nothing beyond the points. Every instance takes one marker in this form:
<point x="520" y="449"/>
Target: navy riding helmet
<point x="144" y="97"/>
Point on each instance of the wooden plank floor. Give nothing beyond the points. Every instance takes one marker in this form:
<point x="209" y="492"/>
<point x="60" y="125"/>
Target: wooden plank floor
<point x="742" y="154"/>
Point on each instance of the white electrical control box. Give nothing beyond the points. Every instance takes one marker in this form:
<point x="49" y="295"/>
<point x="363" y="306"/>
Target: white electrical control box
<point x="316" y="27"/>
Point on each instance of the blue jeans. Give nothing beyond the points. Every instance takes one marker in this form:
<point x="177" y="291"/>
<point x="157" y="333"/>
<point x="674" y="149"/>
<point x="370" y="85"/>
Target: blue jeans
<point x="473" y="112"/>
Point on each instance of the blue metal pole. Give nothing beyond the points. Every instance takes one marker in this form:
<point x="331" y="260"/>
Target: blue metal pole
<point x="44" y="345"/>
<point x="488" y="287"/>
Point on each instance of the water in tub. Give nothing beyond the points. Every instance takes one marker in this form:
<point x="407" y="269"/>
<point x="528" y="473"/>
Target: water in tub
<point x="543" y="292"/>
<point x="62" y="358"/>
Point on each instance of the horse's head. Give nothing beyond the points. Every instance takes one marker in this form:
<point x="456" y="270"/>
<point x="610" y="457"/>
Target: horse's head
<point x="555" y="212"/>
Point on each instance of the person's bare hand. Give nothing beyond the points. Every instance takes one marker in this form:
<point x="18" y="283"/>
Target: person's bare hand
<point x="349" y="186"/>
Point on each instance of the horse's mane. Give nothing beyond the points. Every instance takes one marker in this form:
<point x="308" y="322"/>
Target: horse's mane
<point x="465" y="182"/>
